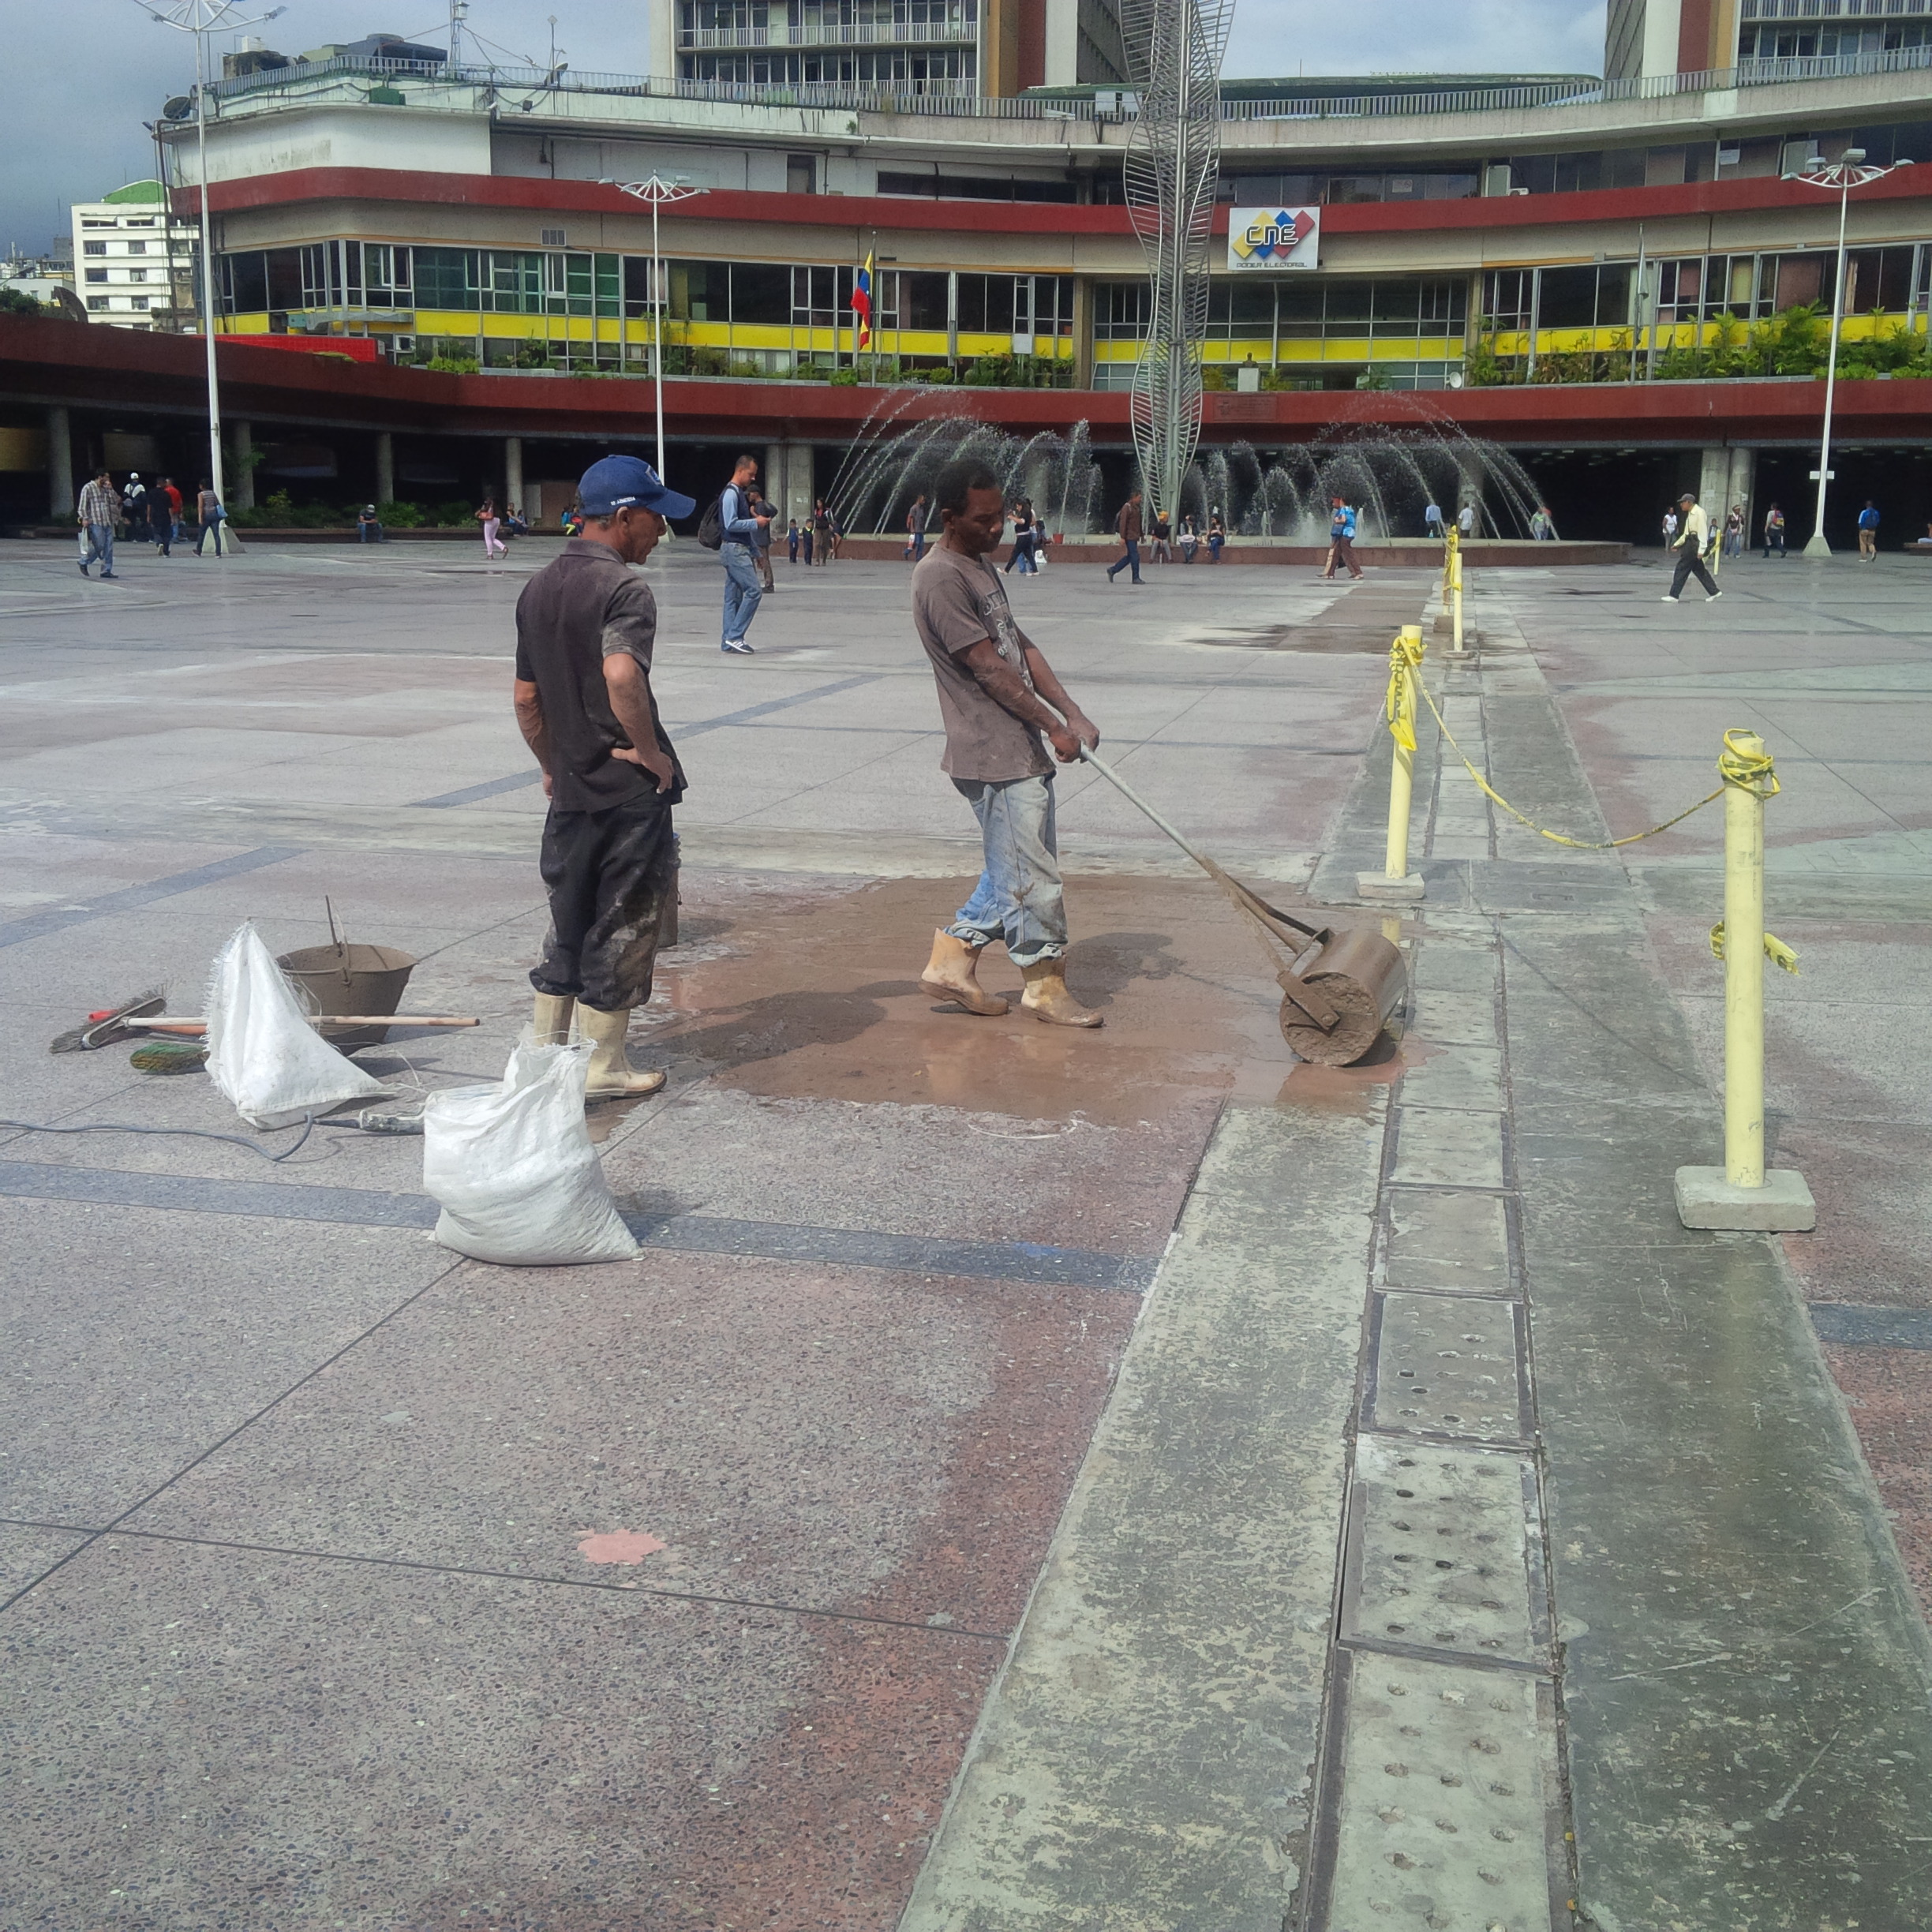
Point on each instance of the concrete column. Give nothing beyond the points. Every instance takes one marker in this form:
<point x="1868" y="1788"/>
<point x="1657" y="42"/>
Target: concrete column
<point x="1743" y="480"/>
<point x="792" y="493"/>
<point x="242" y="491"/>
<point x="60" y="497"/>
<point x="772" y="480"/>
<point x="1714" y="485"/>
<point x="513" y="471"/>
<point x="385" y="466"/>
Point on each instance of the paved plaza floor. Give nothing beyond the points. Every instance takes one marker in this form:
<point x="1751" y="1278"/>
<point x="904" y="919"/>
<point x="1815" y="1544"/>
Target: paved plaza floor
<point x="1127" y="1479"/>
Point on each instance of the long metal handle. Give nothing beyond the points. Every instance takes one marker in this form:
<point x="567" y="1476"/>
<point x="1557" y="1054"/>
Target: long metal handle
<point x="1114" y="778"/>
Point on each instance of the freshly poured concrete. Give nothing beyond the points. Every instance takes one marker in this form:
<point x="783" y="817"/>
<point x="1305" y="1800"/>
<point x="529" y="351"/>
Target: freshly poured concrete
<point x="352" y="1584"/>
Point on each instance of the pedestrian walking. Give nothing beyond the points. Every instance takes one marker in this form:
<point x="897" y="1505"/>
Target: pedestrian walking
<point x="761" y="544"/>
<point x="493" y="544"/>
<point x="915" y="530"/>
<point x="792" y="544"/>
<point x="1432" y="524"/>
<point x="1023" y="538"/>
<point x="1734" y="531"/>
<point x="97" y="512"/>
<point x="173" y="513"/>
<point x="1342" y="540"/>
<point x="1542" y="526"/>
<point x="998" y="695"/>
<point x="368" y="525"/>
<point x="134" y="507"/>
<point x="739" y="523"/>
<point x="1217" y="535"/>
<point x="1774" y="532"/>
<point x="1127" y="527"/>
<point x="1188" y="538"/>
<point x="1868" y="532"/>
<point x="209" y="517"/>
<point x="162" y="500"/>
<point x="1670" y="529"/>
<point x="586" y="628"/>
<point x="1694" y="539"/>
<point x="1466" y="519"/>
<point x="1163" y="538"/>
<point x="819" y="540"/>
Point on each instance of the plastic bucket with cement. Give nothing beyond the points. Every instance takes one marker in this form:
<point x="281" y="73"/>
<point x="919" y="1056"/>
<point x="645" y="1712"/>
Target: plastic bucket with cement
<point x="350" y="978"/>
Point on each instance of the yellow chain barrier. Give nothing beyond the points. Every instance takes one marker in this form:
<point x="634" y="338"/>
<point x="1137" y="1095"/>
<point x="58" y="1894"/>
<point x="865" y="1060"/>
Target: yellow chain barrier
<point x="1750" y="771"/>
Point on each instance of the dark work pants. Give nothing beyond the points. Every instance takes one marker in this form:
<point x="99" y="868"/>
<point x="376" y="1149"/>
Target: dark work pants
<point x="1691" y="565"/>
<point x="610" y="875"/>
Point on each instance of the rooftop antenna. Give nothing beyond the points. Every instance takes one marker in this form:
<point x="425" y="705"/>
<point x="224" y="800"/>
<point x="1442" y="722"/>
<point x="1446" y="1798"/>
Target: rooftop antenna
<point x="459" y="11"/>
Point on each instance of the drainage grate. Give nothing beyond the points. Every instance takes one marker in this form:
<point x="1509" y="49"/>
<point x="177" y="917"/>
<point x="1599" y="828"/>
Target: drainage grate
<point x="1439" y="1552"/>
<point x="1448" y="1784"/>
<point x="1448" y="1365"/>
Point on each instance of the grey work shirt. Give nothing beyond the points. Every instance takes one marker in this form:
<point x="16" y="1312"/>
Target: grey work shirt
<point x="957" y="601"/>
<point x="578" y="610"/>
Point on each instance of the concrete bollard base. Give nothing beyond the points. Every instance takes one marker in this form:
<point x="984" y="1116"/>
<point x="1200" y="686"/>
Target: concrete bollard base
<point x="1782" y="1205"/>
<point x="1398" y="891"/>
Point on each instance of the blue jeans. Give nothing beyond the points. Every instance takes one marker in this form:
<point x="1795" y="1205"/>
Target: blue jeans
<point x="368" y="532"/>
<point x="1018" y="897"/>
<point x="100" y="544"/>
<point x="743" y="590"/>
<point x="1133" y="557"/>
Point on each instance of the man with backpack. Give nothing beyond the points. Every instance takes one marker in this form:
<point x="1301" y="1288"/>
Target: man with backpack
<point x="732" y="526"/>
<point x="1868" y="533"/>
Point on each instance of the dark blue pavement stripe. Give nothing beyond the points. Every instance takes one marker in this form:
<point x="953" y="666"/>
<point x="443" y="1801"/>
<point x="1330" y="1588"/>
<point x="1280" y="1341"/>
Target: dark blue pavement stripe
<point x="1872" y="1327"/>
<point x="130" y="898"/>
<point x="469" y="793"/>
<point x="770" y="1241"/>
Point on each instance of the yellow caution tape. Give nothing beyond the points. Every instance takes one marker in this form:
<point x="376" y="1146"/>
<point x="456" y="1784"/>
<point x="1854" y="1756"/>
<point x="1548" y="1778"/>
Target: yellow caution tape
<point x="1775" y="950"/>
<point x="1558" y="838"/>
<point x="1404" y="655"/>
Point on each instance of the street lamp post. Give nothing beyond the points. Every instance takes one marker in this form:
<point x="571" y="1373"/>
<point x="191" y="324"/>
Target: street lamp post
<point x="201" y="18"/>
<point x="1847" y="172"/>
<point x="659" y="193"/>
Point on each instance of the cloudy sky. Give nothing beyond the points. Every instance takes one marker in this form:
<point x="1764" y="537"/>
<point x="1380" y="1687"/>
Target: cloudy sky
<point x="87" y="73"/>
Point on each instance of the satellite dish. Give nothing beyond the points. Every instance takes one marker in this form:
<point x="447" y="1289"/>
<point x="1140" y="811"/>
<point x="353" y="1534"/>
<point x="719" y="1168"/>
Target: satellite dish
<point x="179" y="108"/>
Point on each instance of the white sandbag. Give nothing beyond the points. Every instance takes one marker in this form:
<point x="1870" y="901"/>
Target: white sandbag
<point x="513" y="1169"/>
<point x="262" y="1052"/>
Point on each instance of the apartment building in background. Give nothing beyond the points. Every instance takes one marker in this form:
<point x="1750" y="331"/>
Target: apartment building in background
<point x="134" y="261"/>
<point x="961" y="49"/>
<point x="1650" y="40"/>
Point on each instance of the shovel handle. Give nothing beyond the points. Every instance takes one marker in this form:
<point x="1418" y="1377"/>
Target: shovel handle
<point x="194" y="1029"/>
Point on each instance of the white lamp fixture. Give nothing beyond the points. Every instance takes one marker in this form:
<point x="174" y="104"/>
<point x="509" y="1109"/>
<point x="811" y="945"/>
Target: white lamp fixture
<point x="659" y="193"/>
<point x="1841" y="177"/>
<point x="201" y="18"/>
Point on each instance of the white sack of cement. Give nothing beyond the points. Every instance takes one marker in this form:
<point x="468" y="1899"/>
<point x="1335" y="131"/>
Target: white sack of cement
<point x="262" y="1053"/>
<point x="513" y="1169"/>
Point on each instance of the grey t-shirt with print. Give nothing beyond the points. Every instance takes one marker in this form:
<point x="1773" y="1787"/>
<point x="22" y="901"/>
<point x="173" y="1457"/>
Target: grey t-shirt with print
<point x="957" y="601"/>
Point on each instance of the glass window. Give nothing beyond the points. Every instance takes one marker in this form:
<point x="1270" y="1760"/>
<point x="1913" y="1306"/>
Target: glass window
<point x="607" y="276"/>
<point x="761" y="292"/>
<point x="97" y="274"/>
<point x="922" y="301"/>
<point x="446" y="278"/>
<point x="93" y="248"/>
<point x="637" y="291"/>
<point x="700" y="291"/>
<point x="1568" y="298"/>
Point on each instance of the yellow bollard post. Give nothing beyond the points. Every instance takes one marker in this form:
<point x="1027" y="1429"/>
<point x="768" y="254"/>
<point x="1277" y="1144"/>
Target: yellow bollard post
<point x="1741" y="1194"/>
<point x="1395" y="880"/>
<point x="1456" y="593"/>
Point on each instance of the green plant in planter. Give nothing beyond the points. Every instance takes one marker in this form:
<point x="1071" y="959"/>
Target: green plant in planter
<point x="399" y="516"/>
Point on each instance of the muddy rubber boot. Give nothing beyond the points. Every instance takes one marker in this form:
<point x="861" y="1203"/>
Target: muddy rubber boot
<point x="951" y="974"/>
<point x="552" y="1023"/>
<point x="1047" y="997"/>
<point x="612" y="1076"/>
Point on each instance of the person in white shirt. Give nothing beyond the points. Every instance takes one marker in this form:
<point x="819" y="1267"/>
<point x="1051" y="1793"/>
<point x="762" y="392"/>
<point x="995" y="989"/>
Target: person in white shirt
<point x="1691" y="546"/>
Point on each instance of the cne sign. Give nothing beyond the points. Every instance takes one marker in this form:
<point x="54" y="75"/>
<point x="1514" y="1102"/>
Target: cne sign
<point x="1271" y="238"/>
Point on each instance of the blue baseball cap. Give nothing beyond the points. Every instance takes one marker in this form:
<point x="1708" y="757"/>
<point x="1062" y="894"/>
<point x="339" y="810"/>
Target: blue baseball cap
<point x="613" y="482"/>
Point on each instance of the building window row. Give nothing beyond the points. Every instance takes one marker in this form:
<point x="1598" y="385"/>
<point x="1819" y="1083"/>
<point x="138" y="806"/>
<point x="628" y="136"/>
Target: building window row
<point x="948" y="71"/>
<point x="1307" y="308"/>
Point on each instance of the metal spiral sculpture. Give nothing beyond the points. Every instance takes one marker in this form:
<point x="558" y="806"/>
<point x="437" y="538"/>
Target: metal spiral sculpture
<point x="1175" y="47"/>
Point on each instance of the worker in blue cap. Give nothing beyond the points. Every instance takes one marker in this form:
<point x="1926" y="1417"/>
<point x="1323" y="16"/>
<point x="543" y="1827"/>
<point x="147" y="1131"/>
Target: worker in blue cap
<point x="586" y="623"/>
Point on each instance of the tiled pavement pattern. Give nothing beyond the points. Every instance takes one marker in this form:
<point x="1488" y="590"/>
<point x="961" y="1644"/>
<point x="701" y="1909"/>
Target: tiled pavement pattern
<point x="1445" y="1501"/>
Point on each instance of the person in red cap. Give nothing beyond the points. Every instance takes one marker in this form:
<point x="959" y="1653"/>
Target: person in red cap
<point x="586" y="628"/>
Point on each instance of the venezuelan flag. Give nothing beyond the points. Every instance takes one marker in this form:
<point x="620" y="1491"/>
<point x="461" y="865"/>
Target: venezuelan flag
<point x="862" y="303"/>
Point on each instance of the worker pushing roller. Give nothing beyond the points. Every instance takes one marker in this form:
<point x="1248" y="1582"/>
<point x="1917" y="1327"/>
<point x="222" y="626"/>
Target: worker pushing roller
<point x="998" y="697"/>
